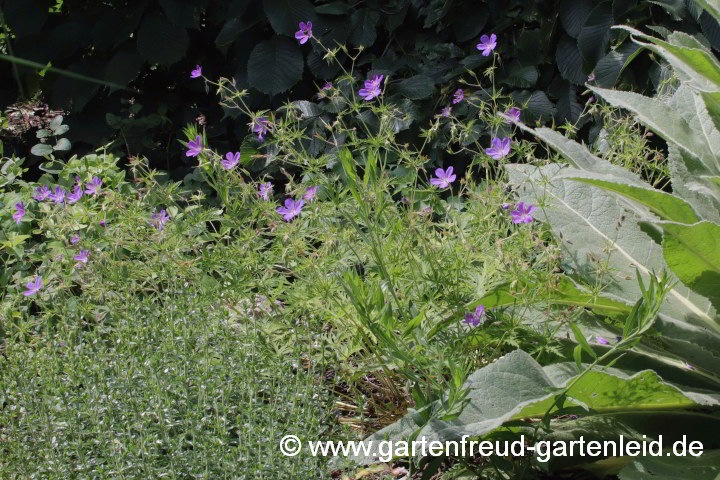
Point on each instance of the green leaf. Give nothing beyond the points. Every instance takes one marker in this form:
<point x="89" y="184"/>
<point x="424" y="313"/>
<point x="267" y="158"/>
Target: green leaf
<point x="41" y="149"/>
<point x="159" y="41"/>
<point x="516" y="386"/>
<point x="362" y="30"/>
<point x="123" y="67"/>
<point x="608" y="69"/>
<point x="286" y="15"/>
<point x="573" y="14"/>
<point x="595" y="34"/>
<point x="582" y="341"/>
<point x="62" y="145"/>
<point x="43" y="133"/>
<point x="600" y="231"/>
<point x="334" y="8"/>
<point x="275" y="65"/>
<point x="521" y="76"/>
<point x="416" y="87"/>
<point x="536" y="105"/>
<point x="711" y="6"/>
<point x="664" y="205"/>
<point x="691" y="184"/>
<point x="664" y="120"/>
<point x="693" y="254"/>
<point x="692" y="61"/>
<point x="705" y="467"/>
<point x="569" y="61"/>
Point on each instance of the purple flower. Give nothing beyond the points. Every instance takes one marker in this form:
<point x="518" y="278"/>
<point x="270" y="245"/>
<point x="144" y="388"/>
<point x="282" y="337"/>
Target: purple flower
<point x="372" y="88"/>
<point x="311" y="193"/>
<point x="446" y="111"/>
<point x="444" y="177"/>
<point x="159" y="220"/>
<point x="459" y="96"/>
<point x="197" y="72"/>
<point x="94" y="186"/>
<point x="590" y="100"/>
<point x="41" y="193"/>
<point x="291" y="209"/>
<point x="260" y="127"/>
<point x="19" y="212"/>
<point x="476" y="318"/>
<point x="74" y="240"/>
<point x="426" y="210"/>
<point x="327" y="86"/>
<point x="500" y="148"/>
<point x="231" y="159"/>
<point x="58" y="196"/>
<point x="82" y="258"/>
<point x="76" y="194"/>
<point x="487" y="44"/>
<point x="305" y="32"/>
<point x="602" y="340"/>
<point x="505" y="206"/>
<point x="522" y="213"/>
<point x="512" y="115"/>
<point x="34" y="287"/>
<point x="265" y="189"/>
<point x="195" y="147"/>
<point x="102" y="223"/>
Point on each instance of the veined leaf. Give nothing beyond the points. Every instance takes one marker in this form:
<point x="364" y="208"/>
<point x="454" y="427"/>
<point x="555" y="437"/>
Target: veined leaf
<point x="516" y="386"/>
<point x="705" y="467"/>
<point x="711" y="6"/>
<point x="693" y="253"/>
<point x="686" y="55"/>
<point x="664" y="205"/>
<point x="588" y="222"/>
<point x="690" y="183"/>
<point x="664" y="120"/>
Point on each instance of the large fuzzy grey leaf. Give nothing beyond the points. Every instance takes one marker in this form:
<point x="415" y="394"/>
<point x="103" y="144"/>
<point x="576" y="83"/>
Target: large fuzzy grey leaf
<point x="666" y="121"/>
<point x="516" y="386"/>
<point x="600" y="232"/>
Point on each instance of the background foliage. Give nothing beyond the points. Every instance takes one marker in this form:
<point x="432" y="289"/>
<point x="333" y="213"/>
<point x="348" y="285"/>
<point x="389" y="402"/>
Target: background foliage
<point x="426" y="47"/>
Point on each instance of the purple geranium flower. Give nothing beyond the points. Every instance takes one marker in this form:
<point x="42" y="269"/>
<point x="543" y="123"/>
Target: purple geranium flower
<point x="311" y="193"/>
<point x="305" y="32"/>
<point x="19" y="212"/>
<point x="197" y="72"/>
<point x="34" y="287"/>
<point x="372" y="88"/>
<point x="195" y="147"/>
<point x="76" y="194"/>
<point x="291" y="209"/>
<point x="522" y="213"/>
<point x="260" y="126"/>
<point x="231" y="159"/>
<point x="74" y="240"/>
<point x="265" y="189"/>
<point x="41" y="193"/>
<point x="82" y="258"/>
<point x="505" y="206"/>
<point x="459" y="96"/>
<point x="93" y="187"/>
<point x="512" y="115"/>
<point x="444" y="177"/>
<point x="487" y="44"/>
<point x="159" y="220"/>
<point x="446" y="111"/>
<point x="500" y="148"/>
<point x="327" y="86"/>
<point x="58" y="196"/>
<point x="602" y="340"/>
<point x="476" y="318"/>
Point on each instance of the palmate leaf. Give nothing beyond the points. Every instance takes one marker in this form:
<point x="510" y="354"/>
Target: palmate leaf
<point x="600" y="231"/>
<point x="516" y="387"/>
